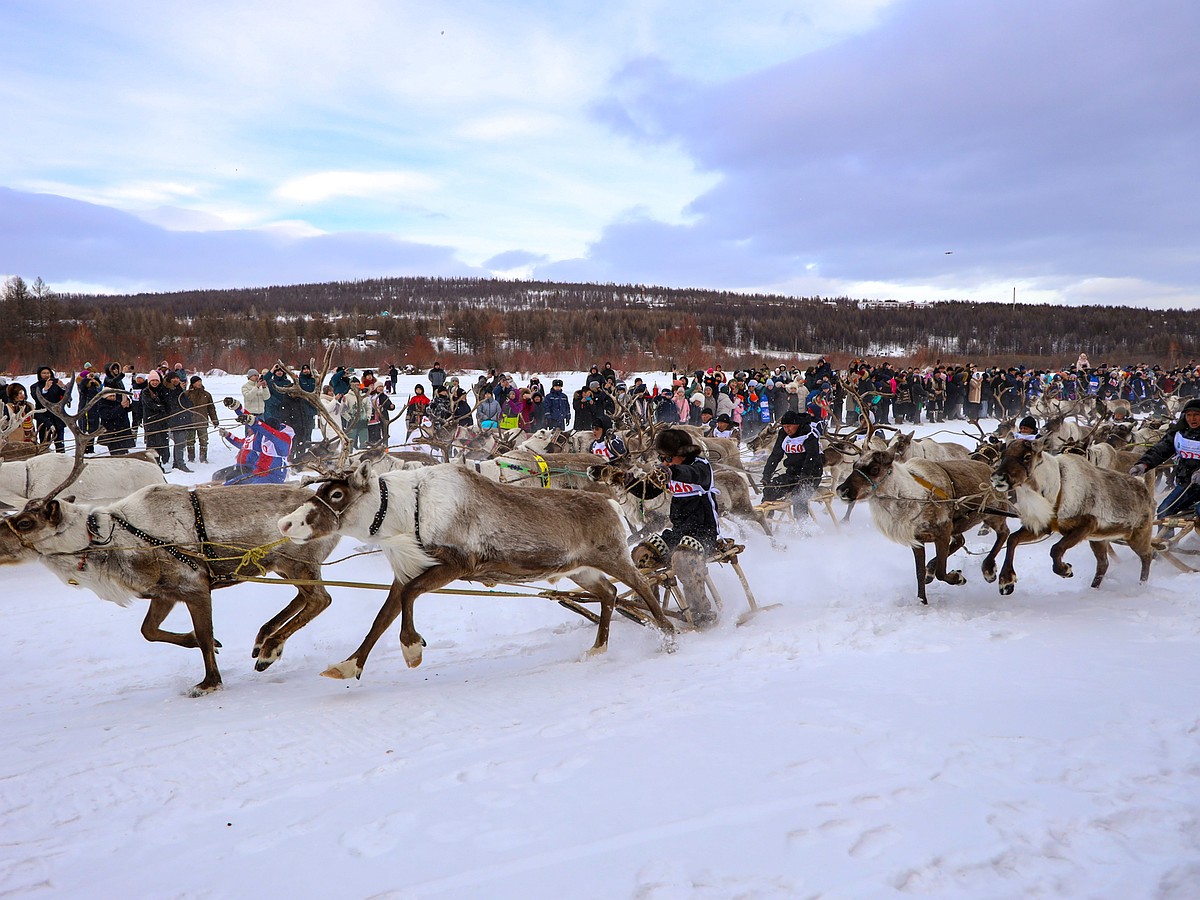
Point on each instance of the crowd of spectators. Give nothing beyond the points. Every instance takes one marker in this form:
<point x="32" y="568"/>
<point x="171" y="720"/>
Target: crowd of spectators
<point x="174" y="413"/>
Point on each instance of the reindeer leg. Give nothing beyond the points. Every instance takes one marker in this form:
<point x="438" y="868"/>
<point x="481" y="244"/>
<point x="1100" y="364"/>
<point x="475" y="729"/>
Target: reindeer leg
<point x="200" y="606"/>
<point x="947" y="547"/>
<point x="1008" y="575"/>
<point x="1069" y="539"/>
<point x="430" y="579"/>
<point x="271" y="624"/>
<point x="1000" y="526"/>
<point x="155" y="615"/>
<point x="1100" y="551"/>
<point x="310" y="602"/>
<point x="626" y="573"/>
<point x="849" y="509"/>
<point x="922" y="572"/>
<point x="602" y="588"/>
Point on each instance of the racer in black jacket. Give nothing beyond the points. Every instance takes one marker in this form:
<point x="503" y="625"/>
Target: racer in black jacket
<point x="694" y="530"/>
<point x="1182" y="441"/>
<point x="798" y="447"/>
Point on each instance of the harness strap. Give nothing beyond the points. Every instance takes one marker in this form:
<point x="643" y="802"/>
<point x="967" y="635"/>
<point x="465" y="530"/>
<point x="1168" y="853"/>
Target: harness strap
<point x="157" y="542"/>
<point x="380" y="513"/>
<point x="202" y="536"/>
<point x="929" y="486"/>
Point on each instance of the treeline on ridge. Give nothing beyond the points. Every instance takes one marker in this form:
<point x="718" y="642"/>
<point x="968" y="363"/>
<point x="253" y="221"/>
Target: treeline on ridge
<point x="531" y="325"/>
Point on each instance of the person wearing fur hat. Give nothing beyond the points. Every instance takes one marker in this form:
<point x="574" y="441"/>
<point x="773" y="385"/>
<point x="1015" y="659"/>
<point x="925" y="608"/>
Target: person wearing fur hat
<point x="798" y="447"/>
<point x="1181" y="441"/>
<point x="694" y="531"/>
<point x="605" y="442"/>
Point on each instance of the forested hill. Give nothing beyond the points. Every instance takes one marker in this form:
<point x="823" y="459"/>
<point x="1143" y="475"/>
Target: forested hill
<point x="542" y="325"/>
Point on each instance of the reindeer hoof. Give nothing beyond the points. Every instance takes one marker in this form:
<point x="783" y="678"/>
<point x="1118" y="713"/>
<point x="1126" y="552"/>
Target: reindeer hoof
<point x="343" y="670"/>
<point x="955" y="577"/>
<point x="1065" y="571"/>
<point x="1006" y="589"/>
<point x="202" y="689"/>
<point x="412" y="654"/>
<point x="989" y="575"/>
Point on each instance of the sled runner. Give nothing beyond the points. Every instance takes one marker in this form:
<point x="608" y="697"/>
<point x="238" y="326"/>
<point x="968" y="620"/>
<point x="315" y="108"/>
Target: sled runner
<point x="665" y="584"/>
<point x="1168" y="537"/>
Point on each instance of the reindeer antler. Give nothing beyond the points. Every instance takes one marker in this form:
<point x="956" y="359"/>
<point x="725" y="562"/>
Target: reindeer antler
<point x="73" y="423"/>
<point x="313" y="398"/>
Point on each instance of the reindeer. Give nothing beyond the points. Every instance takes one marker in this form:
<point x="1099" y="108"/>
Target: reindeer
<point x="445" y="523"/>
<point x="324" y="454"/>
<point x="100" y="477"/>
<point x="171" y="545"/>
<point x="1069" y="495"/>
<point x="923" y="502"/>
<point x="527" y="468"/>
<point x="1060" y="432"/>
<point x="906" y="449"/>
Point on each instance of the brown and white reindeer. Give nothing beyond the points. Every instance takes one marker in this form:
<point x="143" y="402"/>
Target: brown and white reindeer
<point x="170" y="544"/>
<point x="923" y="502"/>
<point x="446" y="523"/>
<point x="1069" y="495"/>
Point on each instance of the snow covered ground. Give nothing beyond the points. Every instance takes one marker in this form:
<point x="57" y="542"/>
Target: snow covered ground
<point x="849" y="743"/>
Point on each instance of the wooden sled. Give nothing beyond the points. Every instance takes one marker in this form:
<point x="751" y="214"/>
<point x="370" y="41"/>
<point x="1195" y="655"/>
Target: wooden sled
<point x="1168" y="546"/>
<point x="667" y="589"/>
<point x="824" y="496"/>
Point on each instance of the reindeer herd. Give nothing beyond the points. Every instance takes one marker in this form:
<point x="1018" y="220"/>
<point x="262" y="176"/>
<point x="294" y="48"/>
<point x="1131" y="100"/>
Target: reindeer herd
<point x="517" y="508"/>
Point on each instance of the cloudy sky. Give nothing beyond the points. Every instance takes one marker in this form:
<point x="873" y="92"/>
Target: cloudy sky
<point x="914" y="149"/>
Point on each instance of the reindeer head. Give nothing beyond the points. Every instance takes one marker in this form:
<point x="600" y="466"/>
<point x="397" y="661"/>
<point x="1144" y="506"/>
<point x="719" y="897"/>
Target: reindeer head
<point x="864" y="479"/>
<point x="22" y="531"/>
<point x="322" y="515"/>
<point x="1016" y="464"/>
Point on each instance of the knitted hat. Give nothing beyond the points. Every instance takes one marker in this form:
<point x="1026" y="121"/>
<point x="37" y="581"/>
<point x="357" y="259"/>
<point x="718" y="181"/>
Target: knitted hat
<point x="194" y="379"/>
<point x="1193" y="404"/>
<point x="250" y="372"/>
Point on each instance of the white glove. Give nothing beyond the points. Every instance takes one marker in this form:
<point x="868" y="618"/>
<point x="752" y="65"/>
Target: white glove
<point x="1139" y="469"/>
<point x="1196" y="478"/>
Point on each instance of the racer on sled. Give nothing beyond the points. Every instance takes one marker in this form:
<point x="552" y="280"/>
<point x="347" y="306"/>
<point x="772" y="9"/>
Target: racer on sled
<point x="694" y="532"/>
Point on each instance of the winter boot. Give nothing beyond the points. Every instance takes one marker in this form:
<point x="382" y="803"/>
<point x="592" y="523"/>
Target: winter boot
<point x="688" y="566"/>
<point x="650" y="553"/>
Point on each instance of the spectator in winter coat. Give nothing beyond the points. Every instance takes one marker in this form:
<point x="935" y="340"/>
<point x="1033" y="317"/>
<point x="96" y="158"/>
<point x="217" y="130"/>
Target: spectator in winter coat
<point x="381" y="408"/>
<point x="179" y="420"/>
<point x="114" y="412"/>
<point x="557" y="407"/>
<point x="440" y="410"/>
<point x="335" y="406"/>
<point x="512" y="410"/>
<point x="437" y="376"/>
<point x="156" y="417"/>
<point x="487" y="413"/>
<point x="49" y="426"/>
<point x="200" y="402"/>
<point x="683" y="408"/>
<point x="17" y="405"/>
<point x="416" y="409"/>
<point x="255" y="393"/>
<point x="461" y="413"/>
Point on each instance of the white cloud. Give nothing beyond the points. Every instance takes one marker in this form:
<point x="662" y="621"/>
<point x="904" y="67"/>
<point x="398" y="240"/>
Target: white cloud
<point x="319" y="187"/>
